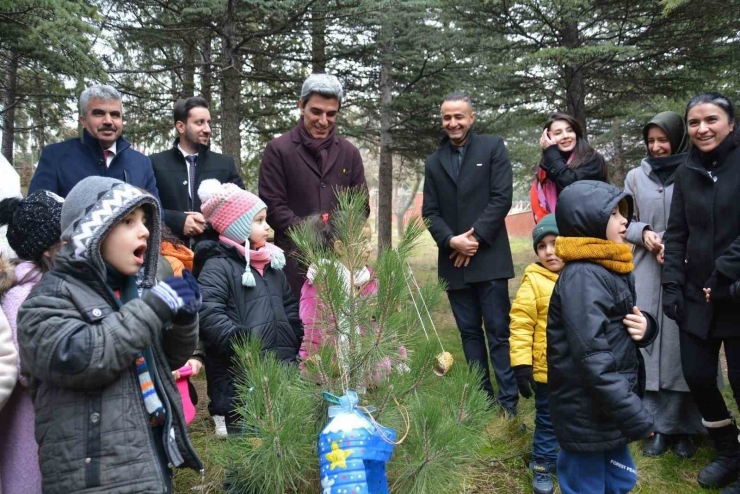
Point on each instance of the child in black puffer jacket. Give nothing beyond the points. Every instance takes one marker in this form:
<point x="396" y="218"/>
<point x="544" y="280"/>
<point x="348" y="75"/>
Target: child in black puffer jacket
<point x="245" y="292"/>
<point x="596" y="376"/>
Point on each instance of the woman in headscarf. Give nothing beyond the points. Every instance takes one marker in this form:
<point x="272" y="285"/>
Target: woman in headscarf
<point x="667" y="395"/>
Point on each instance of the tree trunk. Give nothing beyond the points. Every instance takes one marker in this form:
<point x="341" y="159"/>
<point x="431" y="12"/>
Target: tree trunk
<point x="39" y="122"/>
<point x="400" y="212"/>
<point x="385" y="167"/>
<point x="205" y="71"/>
<point x="617" y="171"/>
<point x="318" y="42"/>
<point x="175" y="93"/>
<point x="188" y="74"/>
<point x="575" y="84"/>
<point x="231" y="141"/>
<point x="406" y="205"/>
<point x="9" y="106"/>
<point x="78" y="90"/>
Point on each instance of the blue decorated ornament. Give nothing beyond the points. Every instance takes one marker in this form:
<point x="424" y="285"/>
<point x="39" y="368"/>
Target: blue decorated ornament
<point x="353" y="449"/>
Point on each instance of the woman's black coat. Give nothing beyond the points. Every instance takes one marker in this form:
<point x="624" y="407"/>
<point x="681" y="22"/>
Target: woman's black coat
<point x="556" y="167"/>
<point x="703" y="235"/>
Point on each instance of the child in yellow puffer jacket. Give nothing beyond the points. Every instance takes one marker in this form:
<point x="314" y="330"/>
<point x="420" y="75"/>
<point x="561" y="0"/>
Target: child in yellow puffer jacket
<point x="528" y="347"/>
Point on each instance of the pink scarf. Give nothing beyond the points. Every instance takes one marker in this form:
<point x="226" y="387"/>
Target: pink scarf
<point x="547" y="191"/>
<point x="258" y="259"/>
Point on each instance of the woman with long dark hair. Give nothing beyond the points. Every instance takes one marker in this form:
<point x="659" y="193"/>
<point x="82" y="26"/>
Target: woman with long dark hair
<point x="566" y="158"/>
<point x="701" y="271"/>
<point x="667" y="396"/>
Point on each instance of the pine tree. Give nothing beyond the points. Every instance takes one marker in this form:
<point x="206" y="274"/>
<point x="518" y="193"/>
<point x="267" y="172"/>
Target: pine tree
<point x="281" y="407"/>
<point x="43" y="43"/>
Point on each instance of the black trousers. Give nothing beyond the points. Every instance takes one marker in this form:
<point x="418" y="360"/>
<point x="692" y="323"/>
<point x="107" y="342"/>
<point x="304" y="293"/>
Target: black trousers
<point x="487" y="304"/>
<point x="699" y="359"/>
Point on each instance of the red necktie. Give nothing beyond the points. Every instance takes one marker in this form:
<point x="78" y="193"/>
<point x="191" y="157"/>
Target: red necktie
<point x="106" y="153"/>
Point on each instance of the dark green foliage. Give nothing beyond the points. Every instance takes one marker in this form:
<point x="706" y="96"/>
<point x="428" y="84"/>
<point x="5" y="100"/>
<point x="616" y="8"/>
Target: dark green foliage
<point x="438" y="419"/>
<point x="279" y="410"/>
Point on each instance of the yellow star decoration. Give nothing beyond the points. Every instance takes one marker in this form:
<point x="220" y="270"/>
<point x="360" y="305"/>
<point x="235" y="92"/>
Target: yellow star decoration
<point x="338" y="457"/>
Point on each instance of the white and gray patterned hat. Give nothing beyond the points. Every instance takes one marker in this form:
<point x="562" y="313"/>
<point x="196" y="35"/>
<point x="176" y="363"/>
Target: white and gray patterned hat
<point x="93" y="207"/>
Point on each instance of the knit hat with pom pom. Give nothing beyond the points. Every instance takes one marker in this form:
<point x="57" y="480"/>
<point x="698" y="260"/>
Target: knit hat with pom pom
<point x="33" y="223"/>
<point x="231" y="210"/>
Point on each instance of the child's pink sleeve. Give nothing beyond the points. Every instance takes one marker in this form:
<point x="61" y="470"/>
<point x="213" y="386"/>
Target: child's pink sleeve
<point x="307" y="311"/>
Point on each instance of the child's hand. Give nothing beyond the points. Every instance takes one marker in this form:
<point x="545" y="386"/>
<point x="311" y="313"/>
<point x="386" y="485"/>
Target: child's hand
<point x="524" y="379"/>
<point x="660" y="256"/>
<point x="636" y="324"/>
<point x="180" y="294"/>
<point x="196" y="365"/>
<point x="652" y="241"/>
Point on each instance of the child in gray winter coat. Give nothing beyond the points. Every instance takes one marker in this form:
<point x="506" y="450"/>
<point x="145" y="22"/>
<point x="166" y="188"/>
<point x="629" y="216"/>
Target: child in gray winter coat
<point x="98" y="338"/>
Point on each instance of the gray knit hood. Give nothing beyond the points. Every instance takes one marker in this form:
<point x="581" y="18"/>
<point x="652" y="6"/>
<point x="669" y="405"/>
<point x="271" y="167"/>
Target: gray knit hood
<point x="92" y="208"/>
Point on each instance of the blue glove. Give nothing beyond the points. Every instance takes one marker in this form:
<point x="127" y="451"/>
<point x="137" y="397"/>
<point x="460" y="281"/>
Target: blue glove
<point x="180" y="294"/>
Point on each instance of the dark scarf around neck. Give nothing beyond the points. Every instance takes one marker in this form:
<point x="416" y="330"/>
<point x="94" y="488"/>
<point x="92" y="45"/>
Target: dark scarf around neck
<point x="716" y="156"/>
<point x="665" y="166"/>
<point x="566" y="154"/>
<point x="125" y="285"/>
<point x="128" y="290"/>
<point x="319" y="148"/>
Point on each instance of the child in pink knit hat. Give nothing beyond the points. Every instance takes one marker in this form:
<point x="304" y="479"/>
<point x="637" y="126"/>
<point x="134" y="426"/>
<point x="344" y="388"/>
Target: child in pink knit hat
<point x="245" y="292"/>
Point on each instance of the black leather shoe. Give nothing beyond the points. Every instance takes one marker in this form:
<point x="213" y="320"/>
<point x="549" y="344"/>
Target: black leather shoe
<point x="656" y="445"/>
<point x="684" y="446"/>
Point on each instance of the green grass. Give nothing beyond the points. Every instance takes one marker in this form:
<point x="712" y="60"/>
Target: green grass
<point x="506" y="453"/>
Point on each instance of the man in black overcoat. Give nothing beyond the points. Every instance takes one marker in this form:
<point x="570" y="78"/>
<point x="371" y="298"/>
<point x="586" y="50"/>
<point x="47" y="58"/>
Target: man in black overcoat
<point x="467" y="195"/>
<point x="182" y="168"/>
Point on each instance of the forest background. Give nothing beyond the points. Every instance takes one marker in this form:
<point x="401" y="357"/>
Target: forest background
<point x="613" y="64"/>
<point x="610" y="63"/>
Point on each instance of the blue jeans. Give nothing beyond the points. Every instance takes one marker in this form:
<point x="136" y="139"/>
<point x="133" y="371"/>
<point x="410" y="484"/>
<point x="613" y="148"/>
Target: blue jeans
<point x="601" y="472"/>
<point x="545" y="444"/>
<point x="487" y="303"/>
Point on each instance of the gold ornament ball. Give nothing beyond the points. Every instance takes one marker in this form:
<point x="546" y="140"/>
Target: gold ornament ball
<point x="444" y="363"/>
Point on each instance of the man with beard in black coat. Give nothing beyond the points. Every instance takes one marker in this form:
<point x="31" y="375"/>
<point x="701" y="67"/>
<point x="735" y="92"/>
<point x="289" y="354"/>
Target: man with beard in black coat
<point x="467" y="195"/>
<point x="181" y="169"/>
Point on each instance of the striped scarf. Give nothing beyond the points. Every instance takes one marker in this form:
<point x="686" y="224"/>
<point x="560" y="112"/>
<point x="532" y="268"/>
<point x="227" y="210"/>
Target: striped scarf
<point x="125" y="289"/>
<point x="153" y="404"/>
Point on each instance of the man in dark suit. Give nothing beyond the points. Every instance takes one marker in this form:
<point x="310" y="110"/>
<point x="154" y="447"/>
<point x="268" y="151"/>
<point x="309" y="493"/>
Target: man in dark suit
<point x="100" y="151"/>
<point x="181" y="169"/>
<point x="467" y="195"/>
